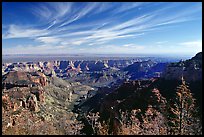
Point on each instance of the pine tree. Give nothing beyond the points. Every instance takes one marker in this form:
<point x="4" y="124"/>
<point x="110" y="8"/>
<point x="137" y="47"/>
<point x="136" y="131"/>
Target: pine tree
<point x="183" y="119"/>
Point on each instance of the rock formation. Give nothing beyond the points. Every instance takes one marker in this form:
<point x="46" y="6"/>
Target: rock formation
<point x="190" y="69"/>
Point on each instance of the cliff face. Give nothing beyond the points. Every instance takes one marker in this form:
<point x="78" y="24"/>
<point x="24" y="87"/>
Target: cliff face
<point x="146" y="69"/>
<point x="141" y="94"/>
<point x="96" y="73"/>
<point x="23" y="79"/>
<point x="33" y="103"/>
<point x="141" y="91"/>
<point x="131" y="95"/>
<point x="190" y="69"/>
<point x="24" y="89"/>
<point x="63" y="66"/>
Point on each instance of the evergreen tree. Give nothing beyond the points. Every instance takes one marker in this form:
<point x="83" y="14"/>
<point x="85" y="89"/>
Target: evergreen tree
<point x="183" y="114"/>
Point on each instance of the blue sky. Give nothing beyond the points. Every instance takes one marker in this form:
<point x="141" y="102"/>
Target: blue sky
<point x="102" y="28"/>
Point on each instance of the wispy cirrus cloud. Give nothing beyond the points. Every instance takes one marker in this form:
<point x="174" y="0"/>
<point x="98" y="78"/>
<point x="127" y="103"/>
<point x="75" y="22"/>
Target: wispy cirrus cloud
<point x="81" y="13"/>
<point x="48" y="40"/>
<point x="71" y="24"/>
<point x="51" y="11"/>
<point x="127" y="6"/>
<point x="15" y="31"/>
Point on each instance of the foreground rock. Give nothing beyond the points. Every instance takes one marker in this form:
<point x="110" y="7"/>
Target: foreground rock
<point x="33" y="103"/>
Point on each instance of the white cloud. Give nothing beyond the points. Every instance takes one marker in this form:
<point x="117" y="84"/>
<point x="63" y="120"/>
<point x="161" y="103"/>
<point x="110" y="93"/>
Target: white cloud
<point x="77" y="42"/>
<point x="192" y="44"/>
<point x="127" y="6"/>
<point x="81" y="13"/>
<point x="42" y="12"/>
<point x="20" y="32"/>
<point x="61" y="27"/>
<point x="31" y="49"/>
<point x="48" y="40"/>
<point x="51" y="11"/>
<point x="131" y="45"/>
<point x="131" y="48"/>
<point x="161" y="42"/>
<point x="93" y="31"/>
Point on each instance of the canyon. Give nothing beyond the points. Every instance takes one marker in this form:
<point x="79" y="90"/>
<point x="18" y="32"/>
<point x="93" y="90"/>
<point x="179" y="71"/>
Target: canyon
<point x="60" y="94"/>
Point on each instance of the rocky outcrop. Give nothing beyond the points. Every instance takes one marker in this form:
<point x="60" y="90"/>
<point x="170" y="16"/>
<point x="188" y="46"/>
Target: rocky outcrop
<point x="23" y="97"/>
<point x="64" y="66"/>
<point x="91" y="72"/>
<point x="29" y="109"/>
<point x="131" y="95"/>
<point x="32" y="103"/>
<point x="23" y="90"/>
<point x="145" y="69"/>
<point x="6" y="102"/>
<point x="23" y="79"/>
<point x="191" y="69"/>
<point x="15" y="77"/>
<point x="40" y="95"/>
<point x="38" y="77"/>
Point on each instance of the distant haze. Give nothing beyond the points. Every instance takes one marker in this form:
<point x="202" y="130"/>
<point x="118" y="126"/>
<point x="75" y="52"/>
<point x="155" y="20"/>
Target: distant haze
<point x="52" y="57"/>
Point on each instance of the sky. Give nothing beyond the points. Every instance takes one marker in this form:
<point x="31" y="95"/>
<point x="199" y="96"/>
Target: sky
<point x="102" y="28"/>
